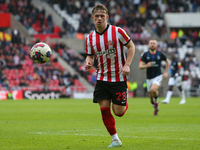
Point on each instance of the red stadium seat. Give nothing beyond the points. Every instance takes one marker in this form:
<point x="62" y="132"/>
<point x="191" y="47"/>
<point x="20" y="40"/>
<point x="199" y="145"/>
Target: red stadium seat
<point x="56" y="29"/>
<point x="89" y="77"/>
<point x="53" y="45"/>
<point x="3" y="7"/>
<point x="60" y="51"/>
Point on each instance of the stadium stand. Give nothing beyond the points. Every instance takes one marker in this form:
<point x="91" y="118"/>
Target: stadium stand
<point x="19" y="72"/>
<point x="33" y="19"/>
<point x="142" y="20"/>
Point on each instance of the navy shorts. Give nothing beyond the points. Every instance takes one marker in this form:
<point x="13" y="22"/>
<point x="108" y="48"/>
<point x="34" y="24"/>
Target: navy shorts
<point x="114" y="91"/>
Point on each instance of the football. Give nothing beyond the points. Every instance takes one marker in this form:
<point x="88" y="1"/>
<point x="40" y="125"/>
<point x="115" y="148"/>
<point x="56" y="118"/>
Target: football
<point x="40" y="53"/>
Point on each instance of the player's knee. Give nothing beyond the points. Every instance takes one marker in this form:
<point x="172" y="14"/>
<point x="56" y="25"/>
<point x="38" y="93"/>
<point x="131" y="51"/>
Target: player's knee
<point x="119" y="114"/>
<point x="153" y="90"/>
<point x="150" y="94"/>
<point x="120" y="110"/>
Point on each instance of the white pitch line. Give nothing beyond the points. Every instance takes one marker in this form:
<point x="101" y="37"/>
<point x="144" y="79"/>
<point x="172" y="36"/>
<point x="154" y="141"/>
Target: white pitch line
<point x="136" y="137"/>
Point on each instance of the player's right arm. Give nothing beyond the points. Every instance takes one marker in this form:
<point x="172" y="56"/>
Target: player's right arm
<point x="89" y="61"/>
<point x="143" y="65"/>
<point x="165" y="75"/>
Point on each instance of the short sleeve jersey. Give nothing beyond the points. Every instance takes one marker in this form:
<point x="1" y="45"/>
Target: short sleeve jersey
<point x="174" y="66"/>
<point x="108" y="48"/>
<point x="155" y="59"/>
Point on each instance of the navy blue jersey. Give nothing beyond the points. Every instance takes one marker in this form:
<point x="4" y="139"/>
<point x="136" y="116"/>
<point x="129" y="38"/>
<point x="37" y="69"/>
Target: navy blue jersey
<point x="174" y="66"/>
<point x="155" y="59"/>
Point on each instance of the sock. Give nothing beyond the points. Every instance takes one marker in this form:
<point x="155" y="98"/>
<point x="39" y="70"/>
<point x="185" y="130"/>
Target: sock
<point x="152" y="102"/>
<point x="108" y="120"/>
<point x="155" y="99"/>
<point x="183" y="94"/>
<point x="169" y="95"/>
<point x="115" y="137"/>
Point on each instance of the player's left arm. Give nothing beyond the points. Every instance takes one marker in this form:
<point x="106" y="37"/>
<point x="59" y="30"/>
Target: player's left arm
<point x="125" y="39"/>
<point x="131" y="52"/>
<point x="166" y="68"/>
<point x="178" y="70"/>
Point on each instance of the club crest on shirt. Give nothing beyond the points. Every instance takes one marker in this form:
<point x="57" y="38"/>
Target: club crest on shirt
<point x="110" y="43"/>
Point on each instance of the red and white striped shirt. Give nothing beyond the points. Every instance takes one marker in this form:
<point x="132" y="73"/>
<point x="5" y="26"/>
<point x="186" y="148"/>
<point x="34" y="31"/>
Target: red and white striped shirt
<point x="109" y="51"/>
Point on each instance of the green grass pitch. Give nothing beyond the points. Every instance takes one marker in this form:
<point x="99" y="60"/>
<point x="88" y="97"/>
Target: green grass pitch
<point x="77" y="125"/>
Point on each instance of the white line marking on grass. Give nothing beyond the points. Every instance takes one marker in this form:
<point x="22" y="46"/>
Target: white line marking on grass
<point x="136" y="137"/>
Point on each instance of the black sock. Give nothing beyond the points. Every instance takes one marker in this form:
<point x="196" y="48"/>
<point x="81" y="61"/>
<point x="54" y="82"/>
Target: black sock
<point x="152" y="103"/>
<point x="155" y="99"/>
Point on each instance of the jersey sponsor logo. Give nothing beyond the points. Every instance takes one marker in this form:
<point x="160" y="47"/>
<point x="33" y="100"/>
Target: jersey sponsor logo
<point x="108" y="52"/>
<point x="153" y="64"/>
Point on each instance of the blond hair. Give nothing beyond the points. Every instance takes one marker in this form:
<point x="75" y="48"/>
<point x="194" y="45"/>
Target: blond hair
<point x="100" y="7"/>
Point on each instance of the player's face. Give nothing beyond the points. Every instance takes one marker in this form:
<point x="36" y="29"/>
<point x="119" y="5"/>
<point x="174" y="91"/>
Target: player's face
<point x="100" y="18"/>
<point x="152" y="45"/>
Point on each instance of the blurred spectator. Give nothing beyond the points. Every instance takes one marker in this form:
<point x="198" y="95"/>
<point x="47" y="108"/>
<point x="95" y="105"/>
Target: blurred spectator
<point x="136" y="4"/>
<point x="23" y="82"/>
<point x="2" y="62"/>
<point x="75" y="76"/>
<point x="49" y="19"/>
<point x="154" y="27"/>
<point x="180" y="33"/>
<point x="15" y="36"/>
<point x="65" y="24"/>
<point x="173" y="34"/>
<point x="71" y="31"/>
<point x="194" y="6"/>
<point x="195" y="86"/>
<point x="189" y="43"/>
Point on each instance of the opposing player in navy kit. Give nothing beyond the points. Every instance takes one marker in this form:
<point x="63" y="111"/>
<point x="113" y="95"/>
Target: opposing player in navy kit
<point x="175" y="79"/>
<point x="151" y="60"/>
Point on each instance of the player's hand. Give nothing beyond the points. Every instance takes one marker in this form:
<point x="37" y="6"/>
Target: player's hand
<point x="165" y="75"/>
<point x="88" y="66"/>
<point x="125" y="70"/>
<point x="148" y="64"/>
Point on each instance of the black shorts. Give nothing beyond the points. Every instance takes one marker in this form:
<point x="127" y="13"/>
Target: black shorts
<point x="114" y="91"/>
